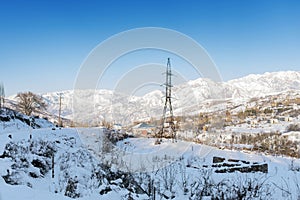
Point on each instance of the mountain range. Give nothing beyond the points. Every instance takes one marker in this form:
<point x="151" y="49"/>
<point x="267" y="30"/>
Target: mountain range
<point x="200" y="95"/>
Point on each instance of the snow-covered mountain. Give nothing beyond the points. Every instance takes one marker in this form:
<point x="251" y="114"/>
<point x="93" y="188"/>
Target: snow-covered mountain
<point x="92" y="106"/>
<point x="265" y="84"/>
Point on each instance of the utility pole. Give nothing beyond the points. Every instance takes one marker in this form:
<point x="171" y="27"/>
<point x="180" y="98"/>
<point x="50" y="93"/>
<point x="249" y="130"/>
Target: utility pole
<point x="168" y="128"/>
<point x="59" y="112"/>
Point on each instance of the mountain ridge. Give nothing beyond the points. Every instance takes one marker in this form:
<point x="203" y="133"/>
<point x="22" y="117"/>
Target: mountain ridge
<point x="93" y="106"/>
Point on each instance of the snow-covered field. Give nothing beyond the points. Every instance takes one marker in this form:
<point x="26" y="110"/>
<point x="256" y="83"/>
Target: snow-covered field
<point x="174" y="168"/>
<point x="141" y="154"/>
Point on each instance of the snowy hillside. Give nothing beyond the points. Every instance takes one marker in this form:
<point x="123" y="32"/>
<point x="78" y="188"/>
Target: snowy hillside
<point x="12" y="120"/>
<point x="87" y="167"/>
<point x="92" y="106"/>
<point x="95" y="163"/>
<point x="26" y="167"/>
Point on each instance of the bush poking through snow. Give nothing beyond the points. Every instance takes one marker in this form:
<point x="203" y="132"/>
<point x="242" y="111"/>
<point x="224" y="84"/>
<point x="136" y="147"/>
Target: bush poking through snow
<point x="29" y="159"/>
<point x="71" y="189"/>
<point x="293" y="127"/>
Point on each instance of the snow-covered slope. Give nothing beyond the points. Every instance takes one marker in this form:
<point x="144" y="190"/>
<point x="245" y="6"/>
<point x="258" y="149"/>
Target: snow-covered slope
<point x="26" y="167"/>
<point x="10" y="192"/>
<point x="12" y="120"/>
<point x="180" y="170"/>
<point x="92" y="106"/>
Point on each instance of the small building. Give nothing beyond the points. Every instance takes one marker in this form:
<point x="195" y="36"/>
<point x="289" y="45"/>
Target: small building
<point x="288" y="119"/>
<point x="143" y="129"/>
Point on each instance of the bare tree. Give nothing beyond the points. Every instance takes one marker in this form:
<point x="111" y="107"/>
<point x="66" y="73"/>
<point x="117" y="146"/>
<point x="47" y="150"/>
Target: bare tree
<point x="29" y="102"/>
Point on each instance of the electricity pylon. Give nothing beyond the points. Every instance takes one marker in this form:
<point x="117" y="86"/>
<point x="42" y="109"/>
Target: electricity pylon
<point x="168" y="129"/>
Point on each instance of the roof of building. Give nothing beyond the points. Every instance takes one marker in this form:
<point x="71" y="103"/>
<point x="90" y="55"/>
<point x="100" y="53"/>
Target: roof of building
<point x="142" y="125"/>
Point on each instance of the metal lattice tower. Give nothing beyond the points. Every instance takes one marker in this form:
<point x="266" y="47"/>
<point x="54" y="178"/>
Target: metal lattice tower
<point x="168" y="129"/>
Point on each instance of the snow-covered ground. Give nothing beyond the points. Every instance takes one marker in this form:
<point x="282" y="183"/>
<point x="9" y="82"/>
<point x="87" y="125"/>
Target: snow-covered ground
<point x="11" y="121"/>
<point x="180" y="169"/>
<point x="72" y="161"/>
<point x="9" y="192"/>
<point x="142" y="155"/>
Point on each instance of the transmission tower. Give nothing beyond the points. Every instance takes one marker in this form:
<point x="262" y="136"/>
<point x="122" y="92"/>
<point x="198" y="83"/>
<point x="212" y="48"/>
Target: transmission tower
<point x="168" y="129"/>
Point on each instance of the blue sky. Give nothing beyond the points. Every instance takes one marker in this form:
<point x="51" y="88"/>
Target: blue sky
<point x="43" y="43"/>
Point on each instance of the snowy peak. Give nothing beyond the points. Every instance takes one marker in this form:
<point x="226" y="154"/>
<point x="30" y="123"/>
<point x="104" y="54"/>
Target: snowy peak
<point x="92" y="106"/>
<point x="268" y="83"/>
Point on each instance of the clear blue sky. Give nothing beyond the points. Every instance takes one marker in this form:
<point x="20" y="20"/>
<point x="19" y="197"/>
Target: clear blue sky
<point x="43" y="43"/>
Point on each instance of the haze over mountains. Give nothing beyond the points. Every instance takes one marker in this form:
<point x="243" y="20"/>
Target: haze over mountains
<point x="92" y="106"/>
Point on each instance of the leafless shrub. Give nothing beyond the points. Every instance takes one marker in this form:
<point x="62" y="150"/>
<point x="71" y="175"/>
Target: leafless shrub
<point x="293" y="127"/>
<point x="284" y="187"/>
<point x="167" y="176"/>
<point x="296" y="181"/>
<point x="235" y="188"/>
